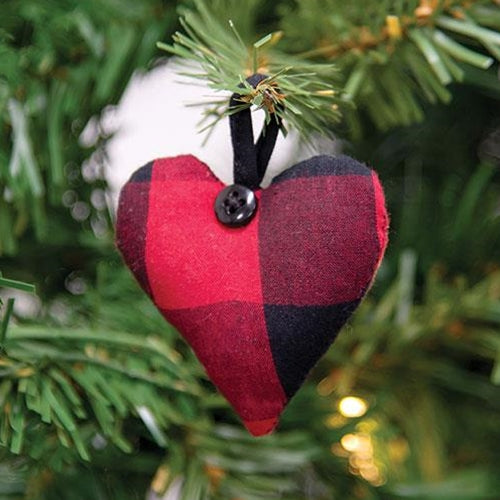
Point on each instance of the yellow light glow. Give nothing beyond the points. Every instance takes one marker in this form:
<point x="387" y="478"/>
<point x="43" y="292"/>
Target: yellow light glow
<point x="350" y="442"/>
<point x="360" y="462"/>
<point x="370" y="474"/>
<point x="394" y="27"/>
<point x="337" y="449"/>
<point x="359" y="443"/>
<point x="353" y="407"/>
<point x="335" y="421"/>
<point x="379" y="482"/>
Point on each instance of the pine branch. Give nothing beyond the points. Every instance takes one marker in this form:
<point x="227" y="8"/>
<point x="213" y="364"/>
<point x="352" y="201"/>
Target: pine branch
<point x="301" y="92"/>
<point x="391" y="60"/>
<point x="61" y="380"/>
<point x="60" y="67"/>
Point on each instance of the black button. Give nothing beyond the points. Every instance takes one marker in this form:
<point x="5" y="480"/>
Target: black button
<point x="235" y="205"/>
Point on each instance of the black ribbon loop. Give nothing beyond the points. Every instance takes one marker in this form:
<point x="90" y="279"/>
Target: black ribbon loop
<point x="250" y="160"/>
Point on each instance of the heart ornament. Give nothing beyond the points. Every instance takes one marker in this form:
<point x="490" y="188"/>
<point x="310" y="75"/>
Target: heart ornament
<point x="260" y="296"/>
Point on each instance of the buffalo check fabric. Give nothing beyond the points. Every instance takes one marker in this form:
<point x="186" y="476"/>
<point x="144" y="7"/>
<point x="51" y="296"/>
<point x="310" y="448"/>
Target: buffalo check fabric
<point x="259" y="304"/>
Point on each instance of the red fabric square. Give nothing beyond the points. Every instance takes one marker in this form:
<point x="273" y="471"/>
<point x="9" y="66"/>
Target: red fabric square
<point x="317" y="243"/>
<point x="231" y="341"/>
<point x="195" y="260"/>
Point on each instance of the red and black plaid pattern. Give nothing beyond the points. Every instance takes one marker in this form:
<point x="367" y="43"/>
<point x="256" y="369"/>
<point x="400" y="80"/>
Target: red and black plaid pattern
<point x="262" y="303"/>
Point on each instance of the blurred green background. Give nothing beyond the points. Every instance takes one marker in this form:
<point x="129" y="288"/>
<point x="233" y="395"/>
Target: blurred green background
<point x="101" y="399"/>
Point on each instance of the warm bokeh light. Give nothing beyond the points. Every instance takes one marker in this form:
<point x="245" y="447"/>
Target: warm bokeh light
<point x="339" y="451"/>
<point x="353" y="407"/>
<point x="335" y="421"/>
<point x="350" y="442"/>
<point x="360" y="443"/>
<point x="370" y="473"/>
<point x="359" y="449"/>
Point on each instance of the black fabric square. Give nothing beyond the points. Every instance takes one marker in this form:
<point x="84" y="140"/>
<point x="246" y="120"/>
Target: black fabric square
<point x="143" y="174"/>
<point x="324" y="165"/>
<point x="300" y="335"/>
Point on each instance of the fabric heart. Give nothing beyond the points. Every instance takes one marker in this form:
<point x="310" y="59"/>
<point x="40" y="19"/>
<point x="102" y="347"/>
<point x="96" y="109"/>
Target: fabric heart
<point x="262" y="303"/>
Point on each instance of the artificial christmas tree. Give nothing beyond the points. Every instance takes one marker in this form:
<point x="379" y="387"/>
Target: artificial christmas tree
<point x="95" y="386"/>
